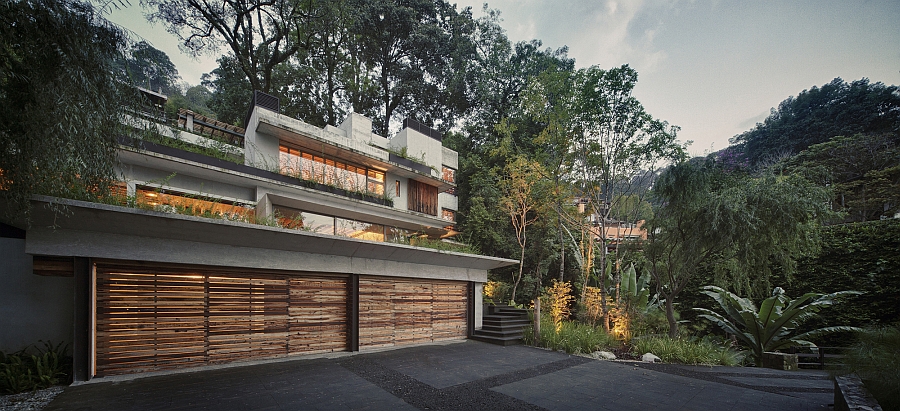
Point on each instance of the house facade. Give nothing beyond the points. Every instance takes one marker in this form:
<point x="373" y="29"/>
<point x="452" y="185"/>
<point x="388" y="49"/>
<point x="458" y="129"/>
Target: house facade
<point x="296" y="240"/>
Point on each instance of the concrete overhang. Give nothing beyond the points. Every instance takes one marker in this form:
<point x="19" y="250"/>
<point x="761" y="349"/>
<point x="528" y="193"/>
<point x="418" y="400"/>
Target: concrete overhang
<point x="90" y="220"/>
<point x="287" y="194"/>
<point x="309" y="137"/>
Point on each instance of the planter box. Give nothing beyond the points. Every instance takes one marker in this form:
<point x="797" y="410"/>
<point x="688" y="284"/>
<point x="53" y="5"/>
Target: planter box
<point x="779" y="361"/>
<point x="422" y="168"/>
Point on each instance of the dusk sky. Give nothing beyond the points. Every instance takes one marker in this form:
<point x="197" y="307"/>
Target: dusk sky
<point x="714" y="68"/>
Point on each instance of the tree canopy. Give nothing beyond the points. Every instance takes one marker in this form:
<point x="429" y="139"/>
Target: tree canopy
<point x="745" y="227"/>
<point x="816" y="115"/>
<point x="60" y="103"/>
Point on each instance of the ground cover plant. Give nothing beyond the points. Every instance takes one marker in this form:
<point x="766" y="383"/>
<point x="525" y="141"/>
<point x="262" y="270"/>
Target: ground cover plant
<point x="34" y="368"/>
<point x="692" y="351"/>
<point x="571" y="336"/>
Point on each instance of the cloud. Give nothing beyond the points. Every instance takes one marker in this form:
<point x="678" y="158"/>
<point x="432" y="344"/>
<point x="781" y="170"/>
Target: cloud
<point x="606" y="33"/>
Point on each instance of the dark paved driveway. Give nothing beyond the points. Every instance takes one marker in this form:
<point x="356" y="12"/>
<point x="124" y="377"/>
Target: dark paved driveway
<point x="459" y="376"/>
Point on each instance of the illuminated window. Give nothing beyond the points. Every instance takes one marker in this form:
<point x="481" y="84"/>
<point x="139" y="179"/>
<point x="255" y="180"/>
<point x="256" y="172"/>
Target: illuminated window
<point x="397" y="235"/>
<point x="397" y="188"/>
<point x="376" y="182"/>
<point x="297" y="163"/>
<point x="192" y="205"/>
<point x="358" y="230"/>
<point x="448" y="174"/>
<point x="448" y="215"/>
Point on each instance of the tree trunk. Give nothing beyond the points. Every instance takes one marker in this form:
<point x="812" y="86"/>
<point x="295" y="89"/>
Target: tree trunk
<point x="537" y="320"/>
<point x="670" y="315"/>
<point x="516" y="284"/>
<point x="562" y="251"/>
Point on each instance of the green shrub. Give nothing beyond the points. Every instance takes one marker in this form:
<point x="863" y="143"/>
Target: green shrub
<point x="32" y="369"/>
<point x="875" y="357"/>
<point x="573" y="337"/>
<point x="687" y="350"/>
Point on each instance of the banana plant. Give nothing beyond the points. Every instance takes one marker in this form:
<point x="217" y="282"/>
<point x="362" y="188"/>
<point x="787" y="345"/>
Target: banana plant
<point x="772" y="326"/>
<point x="636" y="289"/>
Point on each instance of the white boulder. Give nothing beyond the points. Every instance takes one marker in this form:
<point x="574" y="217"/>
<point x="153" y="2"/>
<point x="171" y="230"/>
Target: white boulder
<point x="650" y="358"/>
<point x="603" y="355"/>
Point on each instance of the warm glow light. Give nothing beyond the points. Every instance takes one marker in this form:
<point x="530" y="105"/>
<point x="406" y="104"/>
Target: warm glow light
<point x="151" y="194"/>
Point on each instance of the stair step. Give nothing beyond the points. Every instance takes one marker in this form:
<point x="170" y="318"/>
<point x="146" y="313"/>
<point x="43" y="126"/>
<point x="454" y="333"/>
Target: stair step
<point x="506" y="324"/>
<point x="500" y="334"/>
<point x="494" y="327"/>
<point x="498" y="340"/>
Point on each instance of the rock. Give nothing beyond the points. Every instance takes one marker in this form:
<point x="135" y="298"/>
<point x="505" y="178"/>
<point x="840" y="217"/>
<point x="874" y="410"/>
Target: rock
<point x="650" y="358"/>
<point x="603" y="355"/>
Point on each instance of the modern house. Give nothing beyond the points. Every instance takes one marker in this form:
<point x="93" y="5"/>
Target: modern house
<point x="295" y="240"/>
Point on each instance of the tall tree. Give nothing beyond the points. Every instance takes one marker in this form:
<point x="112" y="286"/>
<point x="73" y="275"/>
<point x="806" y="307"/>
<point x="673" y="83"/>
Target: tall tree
<point x="151" y="68"/>
<point x="524" y="197"/>
<point x="745" y="228"/>
<point x="259" y="34"/>
<point x="619" y="141"/>
<point x="60" y="104"/>
<point x="415" y="51"/>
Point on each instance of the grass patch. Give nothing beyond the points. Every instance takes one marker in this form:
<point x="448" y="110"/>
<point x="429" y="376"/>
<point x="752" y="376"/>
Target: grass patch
<point x="689" y="351"/>
<point x="573" y="337"/>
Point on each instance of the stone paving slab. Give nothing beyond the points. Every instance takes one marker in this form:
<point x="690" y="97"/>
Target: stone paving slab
<point x="602" y="385"/>
<point x="298" y="385"/>
<point x="783" y="382"/>
<point x="462" y="376"/>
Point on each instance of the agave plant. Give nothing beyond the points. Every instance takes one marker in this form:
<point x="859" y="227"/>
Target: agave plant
<point x="772" y="326"/>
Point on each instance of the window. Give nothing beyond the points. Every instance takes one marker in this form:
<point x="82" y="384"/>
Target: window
<point x="297" y="163"/>
<point x="359" y="230"/>
<point x="376" y="182"/>
<point x="180" y="203"/>
<point x="448" y="215"/>
<point x="448" y="174"/>
<point x="304" y="220"/>
<point x="397" y="235"/>
<point x="397" y="188"/>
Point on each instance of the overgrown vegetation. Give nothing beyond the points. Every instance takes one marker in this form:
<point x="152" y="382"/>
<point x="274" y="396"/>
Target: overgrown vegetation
<point x="773" y="326"/>
<point x="875" y="357"/>
<point x="34" y="368"/>
<point x="571" y="337"/>
<point x="694" y="351"/>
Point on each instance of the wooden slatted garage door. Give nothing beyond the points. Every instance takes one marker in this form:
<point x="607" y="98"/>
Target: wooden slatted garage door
<point x="154" y="319"/>
<point x="399" y="312"/>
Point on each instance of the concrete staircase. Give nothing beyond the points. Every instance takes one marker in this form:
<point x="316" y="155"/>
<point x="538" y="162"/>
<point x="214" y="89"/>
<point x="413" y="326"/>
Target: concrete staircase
<point x="502" y="325"/>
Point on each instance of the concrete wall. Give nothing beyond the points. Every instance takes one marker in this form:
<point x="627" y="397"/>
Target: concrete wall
<point x="32" y="307"/>
<point x="418" y="144"/>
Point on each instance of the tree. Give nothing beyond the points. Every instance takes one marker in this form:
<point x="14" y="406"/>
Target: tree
<point x="816" y="115"/>
<point x="258" y="33"/>
<point x="744" y="228"/>
<point x="523" y="197"/>
<point x="631" y="208"/>
<point x="60" y="104"/>
<point x="151" y="68"/>
<point x="862" y="171"/>
<point x="415" y="52"/>
<point x="618" y="142"/>
<point x="772" y="326"/>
